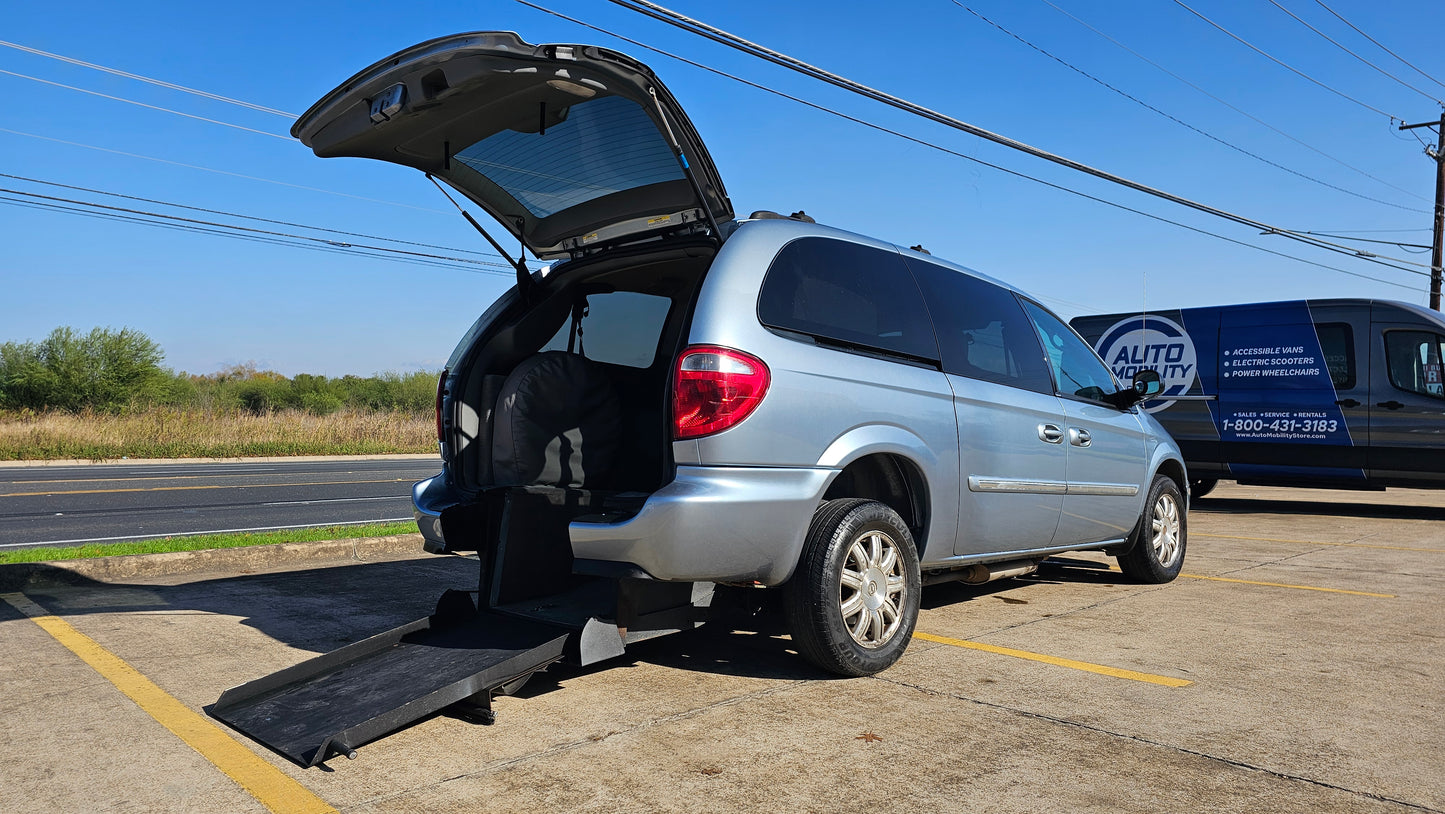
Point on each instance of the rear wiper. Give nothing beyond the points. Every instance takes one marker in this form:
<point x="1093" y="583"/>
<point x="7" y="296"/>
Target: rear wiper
<point x="524" y="276"/>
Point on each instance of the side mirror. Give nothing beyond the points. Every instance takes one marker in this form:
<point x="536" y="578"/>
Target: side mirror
<point x="1146" y="384"/>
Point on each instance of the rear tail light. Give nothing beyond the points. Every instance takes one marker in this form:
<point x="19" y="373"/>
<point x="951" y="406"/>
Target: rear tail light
<point x="715" y="388"/>
<point x="441" y="391"/>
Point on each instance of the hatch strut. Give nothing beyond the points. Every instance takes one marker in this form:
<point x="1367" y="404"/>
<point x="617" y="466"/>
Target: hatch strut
<point x="686" y="168"/>
<point x="524" y="277"/>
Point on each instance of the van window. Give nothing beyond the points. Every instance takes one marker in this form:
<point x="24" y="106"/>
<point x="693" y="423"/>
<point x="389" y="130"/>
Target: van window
<point x="1077" y="370"/>
<point x="1413" y="358"/>
<point x="859" y="295"/>
<point x="1337" y="342"/>
<point x="982" y="330"/>
<point x="620" y="328"/>
<point x="603" y="145"/>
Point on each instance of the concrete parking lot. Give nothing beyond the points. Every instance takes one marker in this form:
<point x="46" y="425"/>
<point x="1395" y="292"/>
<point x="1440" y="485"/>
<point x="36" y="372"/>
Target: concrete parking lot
<point x="1295" y="667"/>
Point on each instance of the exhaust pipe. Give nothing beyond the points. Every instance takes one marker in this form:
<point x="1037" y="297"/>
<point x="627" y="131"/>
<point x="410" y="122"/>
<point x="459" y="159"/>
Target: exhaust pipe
<point x="979" y="573"/>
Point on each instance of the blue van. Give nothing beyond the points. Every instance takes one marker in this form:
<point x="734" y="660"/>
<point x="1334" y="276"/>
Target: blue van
<point x="1328" y="393"/>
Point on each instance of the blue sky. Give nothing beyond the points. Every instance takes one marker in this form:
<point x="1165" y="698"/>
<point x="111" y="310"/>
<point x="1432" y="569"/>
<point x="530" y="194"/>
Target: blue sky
<point x="212" y="301"/>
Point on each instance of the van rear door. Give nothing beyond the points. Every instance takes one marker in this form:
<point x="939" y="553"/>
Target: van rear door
<point x="1407" y="397"/>
<point x="569" y="147"/>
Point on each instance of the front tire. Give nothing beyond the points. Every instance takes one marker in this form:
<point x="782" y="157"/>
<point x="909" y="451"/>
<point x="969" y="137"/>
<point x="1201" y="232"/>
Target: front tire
<point x="1200" y="488"/>
<point x="853" y="602"/>
<point x="1157" y="550"/>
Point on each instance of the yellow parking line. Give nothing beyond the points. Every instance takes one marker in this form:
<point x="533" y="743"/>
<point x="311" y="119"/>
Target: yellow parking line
<point x="1285" y="585"/>
<point x="269" y="785"/>
<point x="189" y="488"/>
<point x="1317" y="542"/>
<point x="1055" y="660"/>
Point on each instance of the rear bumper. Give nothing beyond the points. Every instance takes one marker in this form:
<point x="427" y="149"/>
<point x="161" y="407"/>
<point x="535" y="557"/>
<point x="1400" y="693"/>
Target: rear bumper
<point x="713" y="524"/>
<point x="429" y="498"/>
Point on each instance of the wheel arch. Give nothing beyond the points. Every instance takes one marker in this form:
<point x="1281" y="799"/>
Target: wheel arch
<point x="1173" y="468"/>
<point x="893" y="479"/>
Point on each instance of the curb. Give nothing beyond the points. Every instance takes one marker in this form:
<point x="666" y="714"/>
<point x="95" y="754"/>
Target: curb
<point x="235" y="560"/>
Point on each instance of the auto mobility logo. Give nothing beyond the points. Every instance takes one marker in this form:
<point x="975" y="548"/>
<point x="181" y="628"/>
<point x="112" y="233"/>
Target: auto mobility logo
<point x="1151" y="342"/>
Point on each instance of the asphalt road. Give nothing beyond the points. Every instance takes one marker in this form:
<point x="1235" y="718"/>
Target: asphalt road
<point x="70" y="505"/>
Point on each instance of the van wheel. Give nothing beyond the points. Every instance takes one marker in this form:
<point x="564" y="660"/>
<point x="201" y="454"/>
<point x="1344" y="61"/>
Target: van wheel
<point x="1200" y="488"/>
<point x="1156" y="552"/>
<point x="853" y="602"/>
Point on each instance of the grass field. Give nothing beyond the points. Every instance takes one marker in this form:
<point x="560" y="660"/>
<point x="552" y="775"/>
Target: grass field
<point x="205" y="541"/>
<point x="173" y="433"/>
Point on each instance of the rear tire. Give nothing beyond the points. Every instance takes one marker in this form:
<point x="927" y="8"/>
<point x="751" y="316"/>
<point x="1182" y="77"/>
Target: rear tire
<point x="1200" y="488"/>
<point x="853" y="602"/>
<point x="1157" y="550"/>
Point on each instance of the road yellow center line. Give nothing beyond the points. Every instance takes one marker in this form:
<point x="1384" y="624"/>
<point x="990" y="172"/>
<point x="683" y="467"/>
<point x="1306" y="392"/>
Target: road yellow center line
<point x="1056" y="661"/>
<point x="191" y="488"/>
<point x="271" y="787"/>
<point x="1317" y="542"/>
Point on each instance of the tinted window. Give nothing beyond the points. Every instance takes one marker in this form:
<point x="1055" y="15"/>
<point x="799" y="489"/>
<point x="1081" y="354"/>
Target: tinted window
<point x="854" y="294"/>
<point x="604" y="145"/>
<point x="1337" y="342"/>
<point x="620" y="328"/>
<point x="1077" y="370"/>
<point x="982" y="330"/>
<point x="1414" y="361"/>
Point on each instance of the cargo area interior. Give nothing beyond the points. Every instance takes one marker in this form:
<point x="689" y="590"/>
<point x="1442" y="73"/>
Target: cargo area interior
<point x="562" y="411"/>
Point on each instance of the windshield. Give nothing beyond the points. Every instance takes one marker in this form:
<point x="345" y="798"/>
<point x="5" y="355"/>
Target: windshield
<point x="603" y="146"/>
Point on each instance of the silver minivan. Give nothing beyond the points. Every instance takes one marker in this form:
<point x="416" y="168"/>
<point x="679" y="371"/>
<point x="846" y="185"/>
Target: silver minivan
<point x="686" y="396"/>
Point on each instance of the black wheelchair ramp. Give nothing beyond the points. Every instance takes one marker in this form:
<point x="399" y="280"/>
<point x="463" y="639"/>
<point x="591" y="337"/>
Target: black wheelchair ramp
<point x="331" y="704"/>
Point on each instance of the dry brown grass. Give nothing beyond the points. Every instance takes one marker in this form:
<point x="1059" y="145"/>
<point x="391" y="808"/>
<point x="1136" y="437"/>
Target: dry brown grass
<point x="171" y="433"/>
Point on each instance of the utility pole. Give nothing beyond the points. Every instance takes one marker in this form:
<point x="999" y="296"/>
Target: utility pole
<point x="1437" y="153"/>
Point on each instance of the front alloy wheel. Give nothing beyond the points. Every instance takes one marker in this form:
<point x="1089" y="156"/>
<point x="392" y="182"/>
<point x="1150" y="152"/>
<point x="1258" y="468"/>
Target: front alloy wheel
<point x="1156" y="550"/>
<point x="1166" y="530"/>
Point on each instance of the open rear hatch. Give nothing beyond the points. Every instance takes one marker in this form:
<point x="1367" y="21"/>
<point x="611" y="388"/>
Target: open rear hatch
<point x="569" y="147"/>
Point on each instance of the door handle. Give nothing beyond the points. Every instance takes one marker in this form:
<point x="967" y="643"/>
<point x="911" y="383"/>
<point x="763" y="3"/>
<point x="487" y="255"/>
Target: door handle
<point x="1079" y="437"/>
<point x="1050" y="434"/>
<point x="1390" y="405"/>
<point x="1348" y="403"/>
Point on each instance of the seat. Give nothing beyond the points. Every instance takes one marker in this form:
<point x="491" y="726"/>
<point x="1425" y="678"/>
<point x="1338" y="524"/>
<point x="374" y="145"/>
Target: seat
<point x="558" y="422"/>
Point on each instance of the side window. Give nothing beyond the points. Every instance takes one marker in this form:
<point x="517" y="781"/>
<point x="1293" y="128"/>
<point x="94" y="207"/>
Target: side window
<point x="857" y="295"/>
<point x="1413" y="358"/>
<point x="1077" y="370"/>
<point x="982" y="330"/>
<point x="620" y="328"/>
<point x="1337" y="342"/>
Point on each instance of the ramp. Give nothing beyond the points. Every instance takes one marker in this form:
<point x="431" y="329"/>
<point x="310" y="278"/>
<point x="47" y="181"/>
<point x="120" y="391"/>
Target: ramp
<point x="331" y="704"/>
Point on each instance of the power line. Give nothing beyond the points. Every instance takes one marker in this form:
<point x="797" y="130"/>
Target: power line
<point x="1178" y="121"/>
<point x="1240" y="111"/>
<point x="265" y="233"/>
<point x="957" y="154"/>
<point x="232" y="235"/>
<point x="223" y="172"/>
<point x="1337" y="44"/>
<point x="1285" y="65"/>
<point x="138" y="77"/>
<point x="753" y="49"/>
<point x="143" y="104"/>
<point x="1377" y="42"/>
<point x="246" y="217"/>
<point x="1369" y="240"/>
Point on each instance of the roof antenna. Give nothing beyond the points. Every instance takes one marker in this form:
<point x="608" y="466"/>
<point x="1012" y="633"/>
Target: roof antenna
<point x="524" y="277"/>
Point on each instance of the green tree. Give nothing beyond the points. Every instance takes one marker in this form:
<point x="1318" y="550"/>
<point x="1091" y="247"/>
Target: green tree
<point x="104" y="370"/>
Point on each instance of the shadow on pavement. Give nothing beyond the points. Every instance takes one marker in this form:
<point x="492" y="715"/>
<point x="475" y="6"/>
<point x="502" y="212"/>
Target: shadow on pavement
<point x="1387" y="511"/>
